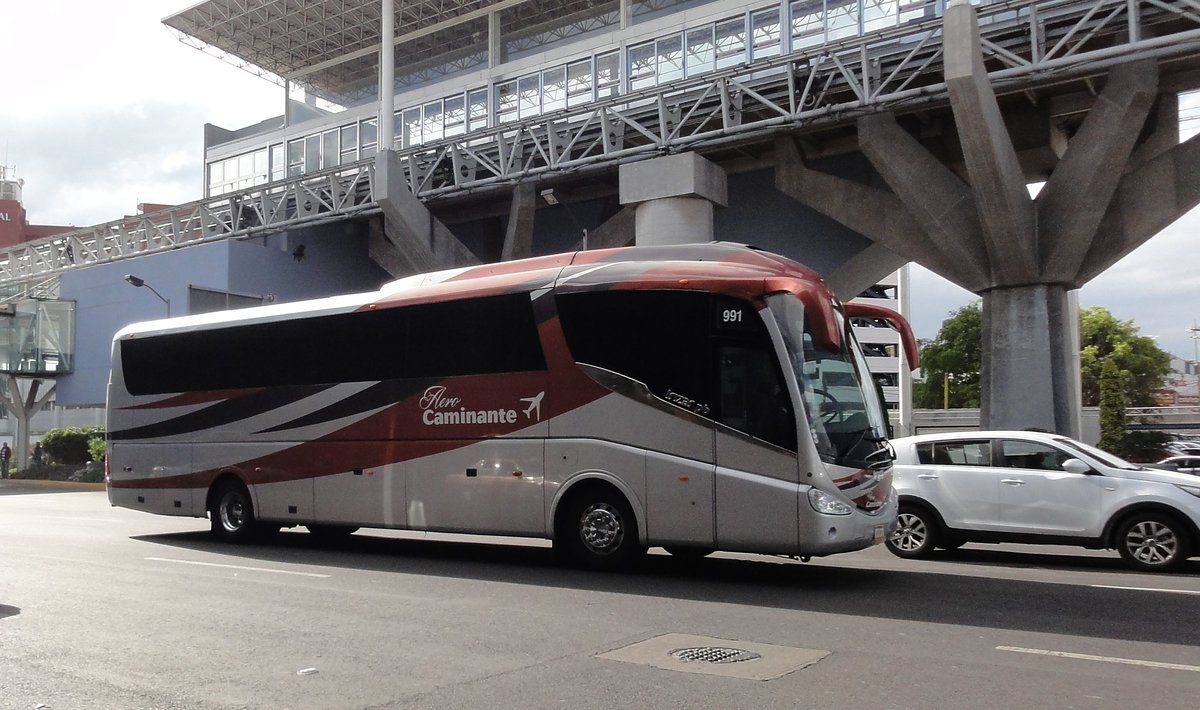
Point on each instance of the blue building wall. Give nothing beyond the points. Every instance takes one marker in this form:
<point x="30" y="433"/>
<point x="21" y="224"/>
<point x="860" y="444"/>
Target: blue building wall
<point x="334" y="261"/>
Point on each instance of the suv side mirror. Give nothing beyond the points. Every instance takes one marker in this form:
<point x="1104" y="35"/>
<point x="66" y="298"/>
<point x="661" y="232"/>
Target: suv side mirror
<point x="1076" y="466"/>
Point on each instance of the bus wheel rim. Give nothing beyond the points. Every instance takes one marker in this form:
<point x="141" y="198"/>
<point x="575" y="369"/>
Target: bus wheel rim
<point x="233" y="512"/>
<point x="600" y="528"/>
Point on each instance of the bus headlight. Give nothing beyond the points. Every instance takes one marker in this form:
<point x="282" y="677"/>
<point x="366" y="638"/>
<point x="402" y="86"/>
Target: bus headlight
<point x="822" y="502"/>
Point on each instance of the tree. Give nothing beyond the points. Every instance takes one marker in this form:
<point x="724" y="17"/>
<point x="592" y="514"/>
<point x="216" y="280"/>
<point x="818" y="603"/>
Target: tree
<point x="952" y="361"/>
<point x="1141" y="363"/>
<point x="1112" y="408"/>
<point x="955" y="357"/>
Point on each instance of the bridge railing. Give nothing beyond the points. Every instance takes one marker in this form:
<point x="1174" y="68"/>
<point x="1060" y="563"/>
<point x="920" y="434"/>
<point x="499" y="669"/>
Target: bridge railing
<point x="306" y="200"/>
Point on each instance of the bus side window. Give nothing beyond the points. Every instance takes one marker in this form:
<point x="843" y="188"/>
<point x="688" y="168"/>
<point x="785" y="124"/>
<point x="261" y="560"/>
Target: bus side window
<point x="710" y="354"/>
<point x="659" y="338"/>
<point x="754" y="397"/>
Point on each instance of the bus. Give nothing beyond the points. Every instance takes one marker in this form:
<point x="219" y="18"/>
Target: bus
<point x="695" y="397"/>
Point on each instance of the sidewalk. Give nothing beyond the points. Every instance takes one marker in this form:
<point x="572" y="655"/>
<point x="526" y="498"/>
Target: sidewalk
<point x="15" y="486"/>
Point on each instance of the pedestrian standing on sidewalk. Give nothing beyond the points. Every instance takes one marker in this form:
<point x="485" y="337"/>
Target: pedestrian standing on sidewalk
<point x="5" y="458"/>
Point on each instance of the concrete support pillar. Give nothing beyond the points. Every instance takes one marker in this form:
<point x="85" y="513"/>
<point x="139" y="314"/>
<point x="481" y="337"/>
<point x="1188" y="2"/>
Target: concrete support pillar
<point x="387" y="74"/>
<point x="1072" y="204"/>
<point x="410" y="240"/>
<point x="863" y="270"/>
<point x="1113" y="188"/>
<point x="1027" y="381"/>
<point x="1006" y="215"/>
<point x="518" y="237"/>
<point x="674" y="195"/>
<point x="674" y="220"/>
<point x="1148" y="198"/>
<point x="22" y="406"/>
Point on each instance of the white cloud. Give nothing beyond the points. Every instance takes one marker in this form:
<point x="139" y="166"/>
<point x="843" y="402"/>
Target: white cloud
<point x="111" y="111"/>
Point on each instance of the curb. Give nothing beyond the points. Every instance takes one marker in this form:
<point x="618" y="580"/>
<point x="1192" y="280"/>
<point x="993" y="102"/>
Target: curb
<point x="68" y="485"/>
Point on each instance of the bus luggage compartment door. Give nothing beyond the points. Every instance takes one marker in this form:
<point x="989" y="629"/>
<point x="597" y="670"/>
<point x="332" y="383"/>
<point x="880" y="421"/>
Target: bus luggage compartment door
<point x="679" y="500"/>
<point x="134" y="470"/>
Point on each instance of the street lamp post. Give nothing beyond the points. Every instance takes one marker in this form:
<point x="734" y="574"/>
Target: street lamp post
<point x="138" y="283"/>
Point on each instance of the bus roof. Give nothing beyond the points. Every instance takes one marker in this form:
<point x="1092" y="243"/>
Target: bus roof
<point x="727" y="267"/>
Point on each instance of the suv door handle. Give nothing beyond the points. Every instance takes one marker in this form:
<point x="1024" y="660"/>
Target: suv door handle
<point x="928" y="476"/>
<point x="1013" y="481"/>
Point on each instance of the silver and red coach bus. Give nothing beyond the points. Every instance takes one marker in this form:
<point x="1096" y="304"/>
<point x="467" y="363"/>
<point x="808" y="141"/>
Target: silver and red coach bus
<point x="698" y="397"/>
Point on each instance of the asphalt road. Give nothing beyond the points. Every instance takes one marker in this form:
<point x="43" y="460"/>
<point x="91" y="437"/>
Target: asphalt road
<point x="109" y="608"/>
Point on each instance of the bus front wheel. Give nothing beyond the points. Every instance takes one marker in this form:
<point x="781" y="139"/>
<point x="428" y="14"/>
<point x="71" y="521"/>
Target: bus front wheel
<point x="232" y="513"/>
<point x="599" y="530"/>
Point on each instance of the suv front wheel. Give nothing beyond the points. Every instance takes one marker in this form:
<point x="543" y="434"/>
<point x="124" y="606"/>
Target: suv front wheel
<point x="916" y="533"/>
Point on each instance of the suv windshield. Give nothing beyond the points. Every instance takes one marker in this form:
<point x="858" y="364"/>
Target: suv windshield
<point x="840" y="400"/>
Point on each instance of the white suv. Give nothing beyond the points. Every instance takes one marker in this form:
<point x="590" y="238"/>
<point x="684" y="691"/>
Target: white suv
<point x="1030" y="487"/>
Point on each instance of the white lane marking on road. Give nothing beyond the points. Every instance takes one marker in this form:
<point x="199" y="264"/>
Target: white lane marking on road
<point x="1105" y="659"/>
<point x="1146" y="589"/>
<point x="248" y="569"/>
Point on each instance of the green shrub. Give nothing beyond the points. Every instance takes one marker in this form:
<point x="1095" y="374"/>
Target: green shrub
<point x="96" y="448"/>
<point x="71" y="445"/>
<point x="1112" y="408"/>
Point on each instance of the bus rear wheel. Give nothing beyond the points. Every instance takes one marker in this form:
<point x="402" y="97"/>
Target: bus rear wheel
<point x="598" y="530"/>
<point x="232" y="513"/>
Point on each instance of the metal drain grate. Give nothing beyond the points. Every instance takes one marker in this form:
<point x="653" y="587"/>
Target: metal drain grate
<point x="714" y="654"/>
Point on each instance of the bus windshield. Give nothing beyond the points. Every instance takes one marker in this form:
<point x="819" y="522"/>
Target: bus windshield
<point x="841" y="403"/>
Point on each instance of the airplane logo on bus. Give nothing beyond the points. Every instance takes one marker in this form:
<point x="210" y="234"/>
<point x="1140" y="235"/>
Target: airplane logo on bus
<point x="535" y="405"/>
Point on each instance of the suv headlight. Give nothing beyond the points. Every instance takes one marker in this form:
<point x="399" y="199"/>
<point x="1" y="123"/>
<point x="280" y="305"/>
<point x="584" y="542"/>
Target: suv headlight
<point x="822" y="502"/>
<point x="1194" y="490"/>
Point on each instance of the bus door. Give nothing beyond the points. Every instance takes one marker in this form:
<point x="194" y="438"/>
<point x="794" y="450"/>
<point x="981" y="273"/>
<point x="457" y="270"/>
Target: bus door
<point x="757" y="470"/>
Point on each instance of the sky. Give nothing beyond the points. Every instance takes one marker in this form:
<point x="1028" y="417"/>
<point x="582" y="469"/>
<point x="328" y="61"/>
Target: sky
<point x="102" y="108"/>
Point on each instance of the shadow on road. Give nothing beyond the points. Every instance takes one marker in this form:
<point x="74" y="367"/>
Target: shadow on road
<point x="7" y="611"/>
<point x="872" y="593"/>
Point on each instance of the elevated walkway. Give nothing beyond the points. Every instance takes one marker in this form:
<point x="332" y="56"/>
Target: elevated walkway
<point x="1030" y="46"/>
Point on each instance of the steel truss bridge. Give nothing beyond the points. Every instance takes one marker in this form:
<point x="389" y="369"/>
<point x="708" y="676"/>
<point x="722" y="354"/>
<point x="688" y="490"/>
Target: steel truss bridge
<point x="1027" y="45"/>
